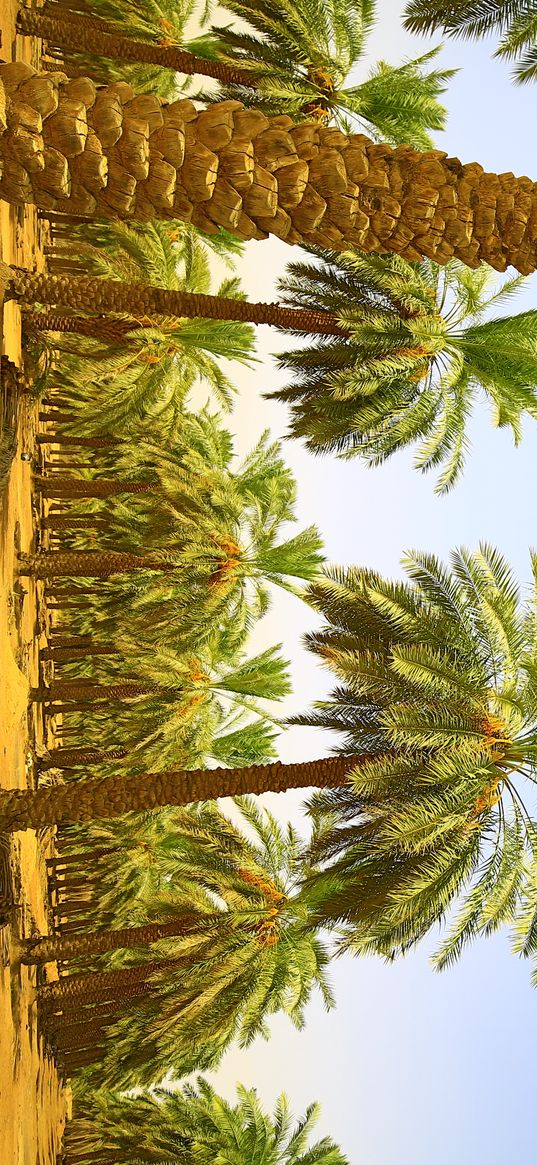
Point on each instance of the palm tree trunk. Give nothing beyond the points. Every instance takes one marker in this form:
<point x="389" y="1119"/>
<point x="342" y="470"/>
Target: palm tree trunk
<point x="83" y="442"/>
<point x="112" y="796"/>
<point x="226" y="166"/>
<point x="97" y="328"/>
<point x="88" y="691"/>
<point x="87" y="563"/>
<point x="83" y="522"/>
<point x="49" y="949"/>
<point x="110" y="295"/>
<point x="73" y="487"/>
<point x="100" y="986"/>
<point x="81" y="34"/>
<point x="73" y="654"/>
<point x="70" y="758"/>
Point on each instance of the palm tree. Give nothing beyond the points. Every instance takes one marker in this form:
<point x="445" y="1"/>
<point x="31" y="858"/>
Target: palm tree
<point x="298" y="58"/>
<point x="250" y="955"/>
<point x="191" y="1125"/>
<point x="145" y="363"/>
<point x="437" y="677"/>
<point x="516" y="25"/>
<point x="418" y="351"/>
<point x="292" y="59"/>
<point x="437" y="710"/>
<point x="231" y="167"/>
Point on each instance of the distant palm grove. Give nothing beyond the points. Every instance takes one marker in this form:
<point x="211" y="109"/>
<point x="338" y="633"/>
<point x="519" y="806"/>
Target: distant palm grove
<point x="180" y="922"/>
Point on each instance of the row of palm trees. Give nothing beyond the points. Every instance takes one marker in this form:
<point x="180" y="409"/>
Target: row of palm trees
<point x="179" y="927"/>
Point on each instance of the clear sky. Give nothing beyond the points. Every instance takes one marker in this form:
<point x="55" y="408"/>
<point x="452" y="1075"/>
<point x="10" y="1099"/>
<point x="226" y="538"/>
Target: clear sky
<point x="412" y="1067"/>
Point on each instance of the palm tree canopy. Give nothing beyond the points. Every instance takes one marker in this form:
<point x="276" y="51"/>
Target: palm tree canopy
<point x="515" y="22"/>
<point x="154" y="367"/>
<point x="300" y="56"/>
<point x="419" y="353"/>
<point x="234" y="978"/>
<point x="195" y="1126"/>
<point x="437" y="677"/>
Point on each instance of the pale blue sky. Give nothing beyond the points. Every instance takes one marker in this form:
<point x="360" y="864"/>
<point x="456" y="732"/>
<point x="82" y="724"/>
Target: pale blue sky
<point x="412" y="1068"/>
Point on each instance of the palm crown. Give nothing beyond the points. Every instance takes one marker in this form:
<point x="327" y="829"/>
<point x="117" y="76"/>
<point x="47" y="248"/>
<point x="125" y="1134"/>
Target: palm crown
<point x="438" y="680"/>
<point x="195" y="1125"/>
<point x="418" y="354"/>
<point x="300" y="55"/>
<point x="516" y="24"/>
<point x="264" y="959"/>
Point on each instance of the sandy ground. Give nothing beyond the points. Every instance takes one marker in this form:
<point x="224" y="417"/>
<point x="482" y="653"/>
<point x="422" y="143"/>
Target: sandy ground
<point x="33" y="1101"/>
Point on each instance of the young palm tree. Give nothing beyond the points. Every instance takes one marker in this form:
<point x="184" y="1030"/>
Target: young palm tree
<point x="191" y="1125"/>
<point x="227" y="166"/>
<point x="420" y="347"/>
<point x="515" y="23"/>
<point x="438" y="679"/>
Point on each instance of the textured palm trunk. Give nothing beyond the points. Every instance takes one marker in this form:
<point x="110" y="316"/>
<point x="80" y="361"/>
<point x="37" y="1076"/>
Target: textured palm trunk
<point x="87" y="564"/>
<point x="71" y="758"/>
<point x="72" y="654"/>
<point x="45" y="950"/>
<point x="107" y="330"/>
<point x="86" y="691"/>
<point x="100" y="797"/>
<point x="83" y="442"/>
<point x="81" y="34"/>
<point x="56" y="523"/>
<point x="109" y="295"/>
<point x="100" y="986"/>
<point x="72" y="487"/>
<point x="71" y="148"/>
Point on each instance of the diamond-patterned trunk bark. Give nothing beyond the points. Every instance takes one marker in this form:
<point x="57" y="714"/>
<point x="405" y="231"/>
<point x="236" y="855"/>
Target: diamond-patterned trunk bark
<point x="90" y="692"/>
<point x="108" y="295"/>
<point x="87" y="563"/>
<point x="107" y="330"/>
<point x="44" y="950"/>
<point x="100" y="986"/>
<point x="70" y="758"/>
<point x="73" y="487"/>
<point x="70" y="147"/>
<point x="113" y="796"/>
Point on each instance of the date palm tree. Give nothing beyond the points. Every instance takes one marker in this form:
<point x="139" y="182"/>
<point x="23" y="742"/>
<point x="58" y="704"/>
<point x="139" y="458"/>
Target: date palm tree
<point x="436" y="708"/>
<point x="437" y="677"/>
<point x="190" y="1125"/>
<point x="245" y="955"/>
<point x="227" y="166"/>
<point x="514" y="23"/>
<point x="299" y="57"/>
<point x="291" y="59"/>
<point x="421" y="346"/>
<point x="148" y="364"/>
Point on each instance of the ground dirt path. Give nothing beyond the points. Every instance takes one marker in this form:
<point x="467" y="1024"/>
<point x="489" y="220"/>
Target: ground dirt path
<point x="33" y="1100"/>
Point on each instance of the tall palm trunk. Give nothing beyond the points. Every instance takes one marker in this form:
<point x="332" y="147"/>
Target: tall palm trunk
<point x="71" y="758"/>
<point x="225" y="166"/>
<point x="81" y="34"/>
<point x="73" y="654"/>
<point x="112" y="796"/>
<point x="87" y="690"/>
<point x="73" y="487"/>
<point x="96" y="327"/>
<point x="111" y="295"/>
<point x="100" y="986"/>
<point x="45" y="950"/>
<point x="73" y="439"/>
<point x="88" y="563"/>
